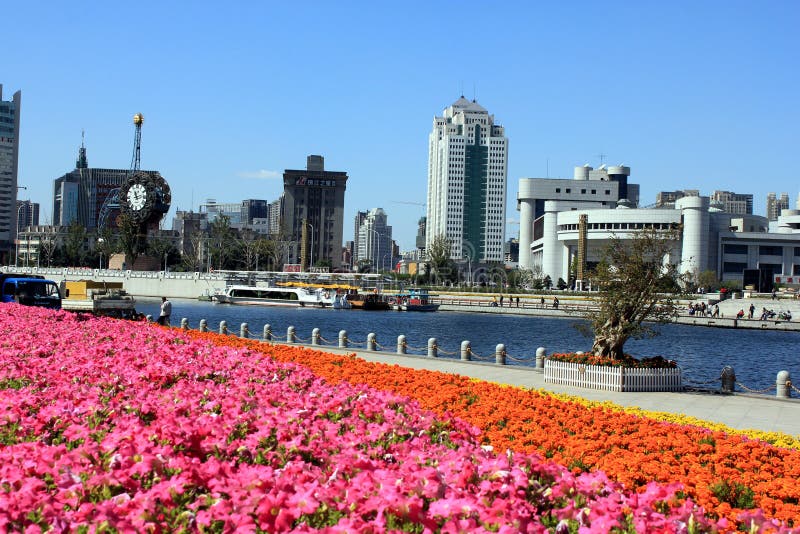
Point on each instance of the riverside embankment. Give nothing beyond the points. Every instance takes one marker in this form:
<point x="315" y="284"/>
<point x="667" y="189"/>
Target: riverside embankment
<point x="191" y="285"/>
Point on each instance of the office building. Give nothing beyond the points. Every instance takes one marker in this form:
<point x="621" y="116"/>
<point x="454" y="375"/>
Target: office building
<point x="374" y="243"/>
<point x="27" y="214"/>
<point x="214" y="210"/>
<point x="776" y="205"/>
<point x="88" y="196"/>
<point x="358" y="220"/>
<point x="9" y="165"/>
<point x="275" y="216"/>
<point x="736" y="247"/>
<point x="313" y="213"/>
<point x="737" y="203"/>
<point x="254" y="209"/>
<point x="604" y="187"/>
<point x="467" y="172"/>
<point x="666" y="199"/>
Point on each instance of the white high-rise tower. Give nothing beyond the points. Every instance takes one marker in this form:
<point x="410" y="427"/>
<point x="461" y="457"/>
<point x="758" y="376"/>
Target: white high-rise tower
<point x="467" y="175"/>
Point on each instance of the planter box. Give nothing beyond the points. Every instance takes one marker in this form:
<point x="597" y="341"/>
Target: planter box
<point x="612" y="378"/>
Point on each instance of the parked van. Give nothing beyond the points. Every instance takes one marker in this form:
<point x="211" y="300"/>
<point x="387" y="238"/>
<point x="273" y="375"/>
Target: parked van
<point x="31" y="292"/>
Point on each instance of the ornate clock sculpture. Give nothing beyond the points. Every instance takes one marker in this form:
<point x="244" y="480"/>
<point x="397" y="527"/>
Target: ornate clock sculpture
<point x="145" y="198"/>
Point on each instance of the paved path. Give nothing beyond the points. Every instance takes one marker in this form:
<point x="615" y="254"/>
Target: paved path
<point x="737" y="411"/>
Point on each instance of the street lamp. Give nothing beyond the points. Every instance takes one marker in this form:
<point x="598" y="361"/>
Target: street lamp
<point x="100" y="241"/>
<point x="19" y="208"/>
<point x="311" y="261"/>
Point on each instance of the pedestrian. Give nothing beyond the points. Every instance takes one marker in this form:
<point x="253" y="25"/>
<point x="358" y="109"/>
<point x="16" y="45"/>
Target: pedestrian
<point x="541" y="302"/>
<point x="555" y="302"/>
<point x="774" y="294"/>
<point x="716" y="311"/>
<point x="517" y="302"/>
<point x="752" y="310"/>
<point x="166" y="311"/>
<point x="501" y="301"/>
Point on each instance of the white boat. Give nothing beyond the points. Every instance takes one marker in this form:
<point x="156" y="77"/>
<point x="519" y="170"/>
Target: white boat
<point x="275" y="296"/>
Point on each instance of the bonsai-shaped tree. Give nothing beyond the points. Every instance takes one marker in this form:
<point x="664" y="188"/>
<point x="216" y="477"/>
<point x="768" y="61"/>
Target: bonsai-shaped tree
<point x="629" y="276"/>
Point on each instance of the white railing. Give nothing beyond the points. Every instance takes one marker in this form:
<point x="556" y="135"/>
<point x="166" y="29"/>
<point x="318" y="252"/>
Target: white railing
<point x="612" y="378"/>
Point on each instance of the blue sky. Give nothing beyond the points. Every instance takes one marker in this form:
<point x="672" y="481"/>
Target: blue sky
<point x="699" y="95"/>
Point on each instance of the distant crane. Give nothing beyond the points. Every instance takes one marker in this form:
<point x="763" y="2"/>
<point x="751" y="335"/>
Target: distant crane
<point x="423" y="204"/>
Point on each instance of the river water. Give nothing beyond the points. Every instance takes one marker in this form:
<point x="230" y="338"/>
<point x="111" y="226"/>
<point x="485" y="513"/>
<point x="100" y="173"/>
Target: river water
<point x="701" y="352"/>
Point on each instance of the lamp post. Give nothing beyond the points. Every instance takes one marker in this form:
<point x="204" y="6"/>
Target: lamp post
<point x="311" y="261"/>
<point x="19" y="209"/>
<point x="100" y="251"/>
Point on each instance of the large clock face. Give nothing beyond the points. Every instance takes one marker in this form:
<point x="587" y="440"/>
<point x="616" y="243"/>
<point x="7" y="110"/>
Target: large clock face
<point x="137" y="196"/>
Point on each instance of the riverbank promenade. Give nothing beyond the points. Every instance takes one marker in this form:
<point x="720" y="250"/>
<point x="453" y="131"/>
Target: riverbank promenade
<point x="737" y="411"/>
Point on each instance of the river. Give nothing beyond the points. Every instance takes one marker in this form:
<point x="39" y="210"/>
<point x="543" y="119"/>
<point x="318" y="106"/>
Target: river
<point x="701" y="352"/>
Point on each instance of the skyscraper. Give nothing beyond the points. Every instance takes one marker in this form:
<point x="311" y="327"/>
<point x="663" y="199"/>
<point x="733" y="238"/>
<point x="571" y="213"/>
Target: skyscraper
<point x="313" y="212"/>
<point x="775" y="205"/>
<point x="27" y="214"/>
<point x="9" y="164"/>
<point x="739" y="203"/>
<point x="374" y="240"/>
<point x="467" y="174"/>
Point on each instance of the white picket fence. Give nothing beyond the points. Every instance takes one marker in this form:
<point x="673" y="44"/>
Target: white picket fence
<point x="612" y="378"/>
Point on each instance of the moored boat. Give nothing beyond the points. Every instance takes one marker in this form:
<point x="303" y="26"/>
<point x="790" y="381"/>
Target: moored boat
<point x="414" y="300"/>
<point x="274" y="296"/>
<point x="368" y="301"/>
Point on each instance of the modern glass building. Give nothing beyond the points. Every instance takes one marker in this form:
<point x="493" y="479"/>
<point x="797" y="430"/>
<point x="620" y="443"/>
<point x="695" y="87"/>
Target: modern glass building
<point x="9" y="164"/>
<point x="467" y="175"/>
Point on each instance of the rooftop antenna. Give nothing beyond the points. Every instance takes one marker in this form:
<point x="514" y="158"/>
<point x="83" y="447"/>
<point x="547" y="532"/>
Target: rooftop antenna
<point x="474" y="93"/>
<point x="548" y="167"/>
<point x="461" y="88"/>
<point x="602" y="157"/>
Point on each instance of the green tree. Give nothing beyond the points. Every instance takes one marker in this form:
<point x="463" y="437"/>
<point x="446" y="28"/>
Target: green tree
<point x="439" y="259"/>
<point x="222" y="241"/>
<point x="161" y="248"/>
<point x="75" y="244"/>
<point x="629" y="276"/>
<point x="132" y="242"/>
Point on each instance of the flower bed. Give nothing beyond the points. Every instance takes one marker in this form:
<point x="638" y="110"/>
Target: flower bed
<point x="726" y="472"/>
<point x="116" y="426"/>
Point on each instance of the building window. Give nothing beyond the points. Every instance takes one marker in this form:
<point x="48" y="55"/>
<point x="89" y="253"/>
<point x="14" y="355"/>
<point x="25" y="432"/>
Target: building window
<point x="734" y="249"/>
<point x="797" y="252"/>
<point x="776" y="268"/>
<point x="734" y="267"/>
<point x="558" y="189"/>
<point x="583" y="191"/>
<point x="765" y="250"/>
<point x="796" y="271"/>
<point x="608" y="191"/>
<point x="594" y="191"/>
<point x="569" y="190"/>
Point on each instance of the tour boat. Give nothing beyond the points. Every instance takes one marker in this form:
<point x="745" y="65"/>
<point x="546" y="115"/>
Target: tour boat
<point x="414" y="300"/>
<point x="275" y="296"/>
<point x="367" y="301"/>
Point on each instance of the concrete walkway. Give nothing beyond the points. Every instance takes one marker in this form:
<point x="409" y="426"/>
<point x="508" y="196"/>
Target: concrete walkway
<point x="738" y="411"/>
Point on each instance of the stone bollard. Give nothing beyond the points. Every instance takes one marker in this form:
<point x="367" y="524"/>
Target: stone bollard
<point x="290" y="335"/>
<point x="223" y="327"/>
<point x="432" y="349"/>
<point x="342" y="339"/>
<point x="401" y="345"/>
<point x="728" y="379"/>
<point x="372" y="343"/>
<point x="267" y="332"/>
<point x="500" y="354"/>
<point x="244" y="331"/>
<point x="203" y="325"/>
<point x="149" y="318"/>
<point x="466" y="351"/>
<point x="315" y="336"/>
<point x="783" y="384"/>
<point x="185" y="323"/>
<point x="541" y="354"/>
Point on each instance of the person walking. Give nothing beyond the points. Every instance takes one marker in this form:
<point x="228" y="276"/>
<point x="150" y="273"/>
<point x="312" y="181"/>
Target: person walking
<point x="166" y="311"/>
<point x="752" y="310"/>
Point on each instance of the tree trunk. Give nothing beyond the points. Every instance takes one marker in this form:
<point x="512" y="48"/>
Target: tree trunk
<point x="609" y="342"/>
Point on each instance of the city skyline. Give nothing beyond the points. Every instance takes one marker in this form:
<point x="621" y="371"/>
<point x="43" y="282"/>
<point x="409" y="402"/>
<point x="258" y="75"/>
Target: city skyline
<point x="233" y="98"/>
